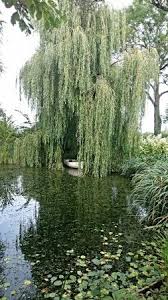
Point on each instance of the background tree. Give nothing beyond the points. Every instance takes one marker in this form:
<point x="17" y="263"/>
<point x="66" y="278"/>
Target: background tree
<point x="7" y="137"/>
<point x="1" y="23"/>
<point x="161" y="4"/>
<point x="149" y="29"/>
<point x="27" y="10"/>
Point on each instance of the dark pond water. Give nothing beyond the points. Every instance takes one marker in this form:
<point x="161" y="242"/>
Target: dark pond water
<point x="45" y="215"/>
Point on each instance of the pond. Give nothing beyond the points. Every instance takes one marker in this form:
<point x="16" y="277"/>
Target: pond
<point x="47" y="219"/>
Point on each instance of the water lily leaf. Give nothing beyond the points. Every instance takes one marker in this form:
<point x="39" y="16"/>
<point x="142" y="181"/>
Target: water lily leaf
<point x="83" y="256"/>
<point x="72" y="278"/>
<point x="79" y="273"/>
<point x="27" y="282"/>
<point x="92" y="274"/>
<point x="107" y="267"/>
<point x="96" y="261"/>
<point x="13" y="293"/>
<point x="81" y="263"/>
<point x="45" y="290"/>
<point x="79" y="296"/>
<point x="128" y="258"/>
<point x="130" y="253"/>
<point x="53" y="279"/>
<point x="51" y="295"/>
<point x="57" y="282"/>
<point x="114" y="275"/>
<point x="6" y="285"/>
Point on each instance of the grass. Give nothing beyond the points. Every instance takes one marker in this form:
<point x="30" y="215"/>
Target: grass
<point x="150" y="191"/>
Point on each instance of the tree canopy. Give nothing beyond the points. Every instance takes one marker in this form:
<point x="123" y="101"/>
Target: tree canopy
<point x="161" y="4"/>
<point x="28" y="10"/>
<point x="7" y="138"/>
<point x="148" y="29"/>
<point x="75" y="85"/>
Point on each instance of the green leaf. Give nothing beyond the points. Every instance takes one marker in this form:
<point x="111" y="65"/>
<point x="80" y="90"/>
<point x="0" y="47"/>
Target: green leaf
<point x="8" y="3"/>
<point x="57" y="282"/>
<point x="128" y="258"/>
<point x="72" y="278"/>
<point x="6" y="284"/>
<point x="52" y="295"/>
<point x="13" y="293"/>
<point x="54" y="278"/>
<point x="96" y="261"/>
<point x="15" y="18"/>
<point x="27" y="282"/>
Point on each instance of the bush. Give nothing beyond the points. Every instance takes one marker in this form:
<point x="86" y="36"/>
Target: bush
<point x="165" y="254"/>
<point x="154" y="146"/>
<point x="134" y="165"/>
<point x="151" y="191"/>
<point x="151" y="150"/>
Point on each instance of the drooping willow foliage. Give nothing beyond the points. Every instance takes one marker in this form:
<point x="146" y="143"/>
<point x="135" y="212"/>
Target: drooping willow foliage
<point x="75" y="86"/>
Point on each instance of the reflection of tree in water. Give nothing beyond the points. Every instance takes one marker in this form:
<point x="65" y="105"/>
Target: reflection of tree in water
<point x="8" y="187"/>
<point x="71" y="214"/>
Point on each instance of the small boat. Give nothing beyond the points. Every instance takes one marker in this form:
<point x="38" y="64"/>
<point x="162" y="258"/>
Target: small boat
<point x="74" y="164"/>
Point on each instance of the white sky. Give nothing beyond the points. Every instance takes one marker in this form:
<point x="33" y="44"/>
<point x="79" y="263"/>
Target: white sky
<point x="15" y="50"/>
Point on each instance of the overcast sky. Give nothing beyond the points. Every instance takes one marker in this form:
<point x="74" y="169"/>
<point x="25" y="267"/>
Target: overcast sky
<point x="15" y="50"/>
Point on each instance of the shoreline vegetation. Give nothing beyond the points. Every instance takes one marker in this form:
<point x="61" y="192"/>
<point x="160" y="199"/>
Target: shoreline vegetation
<point x="88" y="82"/>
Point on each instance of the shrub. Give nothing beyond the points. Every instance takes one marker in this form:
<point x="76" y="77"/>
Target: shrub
<point x="130" y="167"/>
<point x="150" y="151"/>
<point x="165" y="254"/>
<point x="151" y="191"/>
<point x="154" y="146"/>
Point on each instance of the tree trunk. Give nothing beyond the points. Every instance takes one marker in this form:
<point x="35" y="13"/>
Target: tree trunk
<point x="157" y="118"/>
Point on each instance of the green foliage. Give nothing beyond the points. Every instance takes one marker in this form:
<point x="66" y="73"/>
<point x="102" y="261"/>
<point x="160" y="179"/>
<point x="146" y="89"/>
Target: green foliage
<point x="7" y="137"/>
<point x="24" y="11"/>
<point x="151" y="149"/>
<point x="134" y="165"/>
<point x="154" y="146"/>
<point x="29" y="151"/>
<point x="148" y="28"/>
<point x="149" y="170"/>
<point x="71" y="76"/>
<point x="161" y="4"/>
<point x="26" y="150"/>
<point x="97" y="278"/>
<point x="165" y="254"/>
<point x="150" y="191"/>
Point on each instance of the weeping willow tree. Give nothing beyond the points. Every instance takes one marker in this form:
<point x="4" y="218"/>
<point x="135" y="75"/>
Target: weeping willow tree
<point x="73" y="77"/>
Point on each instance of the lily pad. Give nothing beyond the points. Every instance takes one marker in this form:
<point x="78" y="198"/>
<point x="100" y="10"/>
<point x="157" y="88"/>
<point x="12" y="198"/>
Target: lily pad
<point x="96" y="261"/>
<point x="57" y="282"/>
<point x="6" y="285"/>
<point x="53" y="279"/>
<point x="27" y="282"/>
